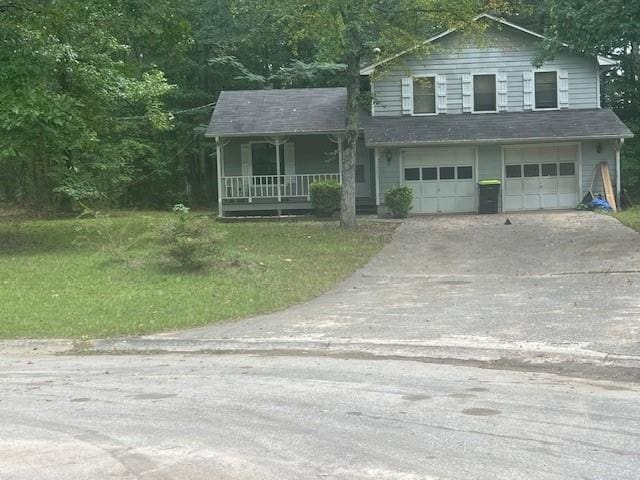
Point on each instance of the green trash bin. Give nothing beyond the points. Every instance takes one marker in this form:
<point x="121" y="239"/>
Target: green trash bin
<point x="489" y="192"/>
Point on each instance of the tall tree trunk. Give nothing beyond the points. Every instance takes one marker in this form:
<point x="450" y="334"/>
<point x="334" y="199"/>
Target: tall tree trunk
<point x="350" y="140"/>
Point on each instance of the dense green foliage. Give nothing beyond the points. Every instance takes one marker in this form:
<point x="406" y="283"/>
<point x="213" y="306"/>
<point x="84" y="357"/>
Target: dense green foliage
<point x="76" y="289"/>
<point x="105" y="103"/>
<point x="398" y="200"/>
<point x="325" y="197"/>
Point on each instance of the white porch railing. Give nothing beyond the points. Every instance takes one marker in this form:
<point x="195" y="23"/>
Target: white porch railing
<point x="272" y="186"/>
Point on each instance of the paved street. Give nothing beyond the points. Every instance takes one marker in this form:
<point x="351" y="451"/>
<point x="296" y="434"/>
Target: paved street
<point x="264" y="417"/>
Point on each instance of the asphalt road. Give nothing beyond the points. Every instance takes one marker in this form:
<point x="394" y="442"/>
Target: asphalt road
<point x="240" y="417"/>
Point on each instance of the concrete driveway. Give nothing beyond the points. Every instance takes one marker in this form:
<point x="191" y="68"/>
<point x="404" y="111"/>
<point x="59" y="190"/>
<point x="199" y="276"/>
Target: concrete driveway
<point x="566" y="282"/>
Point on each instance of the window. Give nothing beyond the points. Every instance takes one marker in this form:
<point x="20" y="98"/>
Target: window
<point x="429" y="173"/>
<point x="484" y="93"/>
<point x="447" y="173"/>
<point x="532" y="170"/>
<point x="412" y="174"/>
<point x="359" y="173"/>
<point x="465" y="173"/>
<point x="513" y="171"/>
<point x="567" y="169"/>
<point x="424" y="95"/>
<point x="263" y="158"/>
<point x="546" y="89"/>
<point x="549" y="170"/>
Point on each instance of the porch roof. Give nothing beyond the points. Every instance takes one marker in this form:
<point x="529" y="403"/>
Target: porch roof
<point x="498" y="127"/>
<point x="279" y="112"/>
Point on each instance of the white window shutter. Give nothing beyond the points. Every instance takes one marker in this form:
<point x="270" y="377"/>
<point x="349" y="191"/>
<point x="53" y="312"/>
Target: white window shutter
<point x="245" y="153"/>
<point x="466" y="92"/>
<point x="527" y="86"/>
<point x="502" y="92"/>
<point x="441" y="93"/>
<point x="563" y="88"/>
<point x="407" y="95"/>
<point x="289" y="159"/>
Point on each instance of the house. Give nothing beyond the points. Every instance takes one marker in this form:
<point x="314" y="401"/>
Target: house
<point x="467" y="111"/>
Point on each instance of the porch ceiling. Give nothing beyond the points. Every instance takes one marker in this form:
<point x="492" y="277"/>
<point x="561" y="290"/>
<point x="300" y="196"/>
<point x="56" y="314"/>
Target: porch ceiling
<point x="279" y="112"/>
<point x="498" y="127"/>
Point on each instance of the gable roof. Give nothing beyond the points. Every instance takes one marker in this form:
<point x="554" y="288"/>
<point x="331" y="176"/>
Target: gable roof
<point x="368" y="70"/>
<point x="491" y="128"/>
<point x="279" y="112"/>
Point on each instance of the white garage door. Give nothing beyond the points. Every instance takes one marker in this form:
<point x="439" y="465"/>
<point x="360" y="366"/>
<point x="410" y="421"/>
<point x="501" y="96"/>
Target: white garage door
<point x="539" y="177"/>
<point x="442" y="179"/>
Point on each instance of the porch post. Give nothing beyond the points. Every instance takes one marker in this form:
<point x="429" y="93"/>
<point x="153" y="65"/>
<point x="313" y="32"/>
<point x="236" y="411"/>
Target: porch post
<point x="219" y="169"/>
<point x="377" y="175"/>
<point x="278" y="169"/>
<point x="340" y="157"/>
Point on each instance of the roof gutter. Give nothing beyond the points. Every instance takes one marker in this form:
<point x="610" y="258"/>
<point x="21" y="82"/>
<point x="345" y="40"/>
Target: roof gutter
<point x="496" y="140"/>
<point x="274" y="134"/>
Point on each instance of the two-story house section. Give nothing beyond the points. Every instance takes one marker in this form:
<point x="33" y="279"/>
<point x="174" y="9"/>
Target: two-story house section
<point x="466" y="110"/>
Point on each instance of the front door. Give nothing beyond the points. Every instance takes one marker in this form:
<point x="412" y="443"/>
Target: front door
<point x="362" y="180"/>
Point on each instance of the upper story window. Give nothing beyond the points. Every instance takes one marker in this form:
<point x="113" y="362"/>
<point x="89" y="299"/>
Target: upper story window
<point x="424" y="95"/>
<point x="546" y="90"/>
<point x="484" y="93"/>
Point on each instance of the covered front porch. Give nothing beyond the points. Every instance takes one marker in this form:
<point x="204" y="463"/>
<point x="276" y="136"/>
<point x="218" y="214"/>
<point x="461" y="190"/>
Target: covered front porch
<point x="274" y="173"/>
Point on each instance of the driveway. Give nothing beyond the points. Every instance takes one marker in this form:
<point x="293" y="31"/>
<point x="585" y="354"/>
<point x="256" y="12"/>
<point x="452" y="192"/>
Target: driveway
<point x="562" y="281"/>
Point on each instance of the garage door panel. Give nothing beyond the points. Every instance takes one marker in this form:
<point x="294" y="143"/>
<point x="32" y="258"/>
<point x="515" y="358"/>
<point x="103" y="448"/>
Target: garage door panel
<point x="465" y="204"/>
<point x="465" y="189"/>
<point x="531" y="202"/>
<point x="531" y="186"/>
<point x="512" y="202"/>
<point x="513" y="187"/>
<point x="448" y="189"/>
<point x="545" y="183"/>
<point x="567" y="185"/>
<point x="444" y="185"/>
<point x="429" y="189"/>
<point x="548" y="186"/>
<point x="549" y="201"/>
<point x="427" y="205"/>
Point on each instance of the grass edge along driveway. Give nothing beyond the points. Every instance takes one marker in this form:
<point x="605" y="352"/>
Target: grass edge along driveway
<point x="54" y="286"/>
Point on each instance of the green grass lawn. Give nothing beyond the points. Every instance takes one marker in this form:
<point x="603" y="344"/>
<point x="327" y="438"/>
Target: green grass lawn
<point x="630" y="217"/>
<point x="53" y="285"/>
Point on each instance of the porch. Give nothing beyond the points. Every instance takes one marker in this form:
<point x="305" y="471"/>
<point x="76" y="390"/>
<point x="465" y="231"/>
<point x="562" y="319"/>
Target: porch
<point x="270" y="192"/>
<point x="263" y="175"/>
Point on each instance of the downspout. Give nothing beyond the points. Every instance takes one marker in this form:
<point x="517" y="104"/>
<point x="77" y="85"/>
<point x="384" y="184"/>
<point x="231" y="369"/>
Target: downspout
<point x="618" y="183"/>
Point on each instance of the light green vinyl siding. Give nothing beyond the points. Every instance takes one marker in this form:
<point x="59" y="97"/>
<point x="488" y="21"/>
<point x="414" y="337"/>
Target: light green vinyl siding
<point x="503" y="50"/>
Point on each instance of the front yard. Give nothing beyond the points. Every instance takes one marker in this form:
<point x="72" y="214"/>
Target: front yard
<point x="630" y="217"/>
<point x="60" y="278"/>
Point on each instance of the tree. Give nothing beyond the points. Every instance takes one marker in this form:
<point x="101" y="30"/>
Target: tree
<point x="610" y="28"/>
<point x="80" y="104"/>
<point x="347" y="32"/>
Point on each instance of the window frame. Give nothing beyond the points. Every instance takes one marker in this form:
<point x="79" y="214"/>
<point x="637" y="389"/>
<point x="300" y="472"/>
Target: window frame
<point x="546" y="70"/>
<point x="435" y="94"/>
<point x="473" y="91"/>
<point x="282" y="160"/>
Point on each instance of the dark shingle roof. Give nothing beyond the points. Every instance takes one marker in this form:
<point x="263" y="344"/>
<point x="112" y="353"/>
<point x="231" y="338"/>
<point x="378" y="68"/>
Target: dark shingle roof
<point x="272" y="112"/>
<point x="478" y="128"/>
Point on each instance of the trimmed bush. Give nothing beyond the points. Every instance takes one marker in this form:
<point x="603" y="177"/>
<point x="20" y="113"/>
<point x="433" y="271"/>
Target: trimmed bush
<point x="398" y="200"/>
<point x="325" y="197"/>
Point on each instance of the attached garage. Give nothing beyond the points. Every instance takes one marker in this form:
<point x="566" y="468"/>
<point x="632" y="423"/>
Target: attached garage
<point x="442" y="179"/>
<point x="541" y="177"/>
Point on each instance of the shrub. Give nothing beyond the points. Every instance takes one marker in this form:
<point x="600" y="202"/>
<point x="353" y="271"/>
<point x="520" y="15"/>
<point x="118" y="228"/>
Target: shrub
<point x="398" y="200"/>
<point x="325" y="197"/>
<point x="187" y="241"/>
<point x="116" y="240"/>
